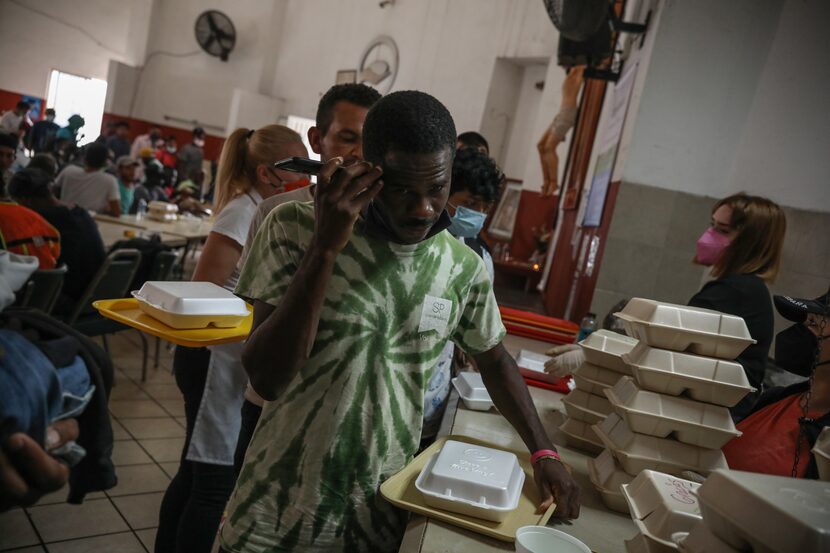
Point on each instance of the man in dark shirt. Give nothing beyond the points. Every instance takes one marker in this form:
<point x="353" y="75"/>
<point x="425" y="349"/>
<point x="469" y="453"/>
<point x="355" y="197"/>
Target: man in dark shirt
<point x="119" y="142"/>
<point x="43" y="132"/>
<point x="82" y="248"/>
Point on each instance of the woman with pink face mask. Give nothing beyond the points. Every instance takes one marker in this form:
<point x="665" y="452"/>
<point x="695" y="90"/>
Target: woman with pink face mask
<point x="743" y="246"/>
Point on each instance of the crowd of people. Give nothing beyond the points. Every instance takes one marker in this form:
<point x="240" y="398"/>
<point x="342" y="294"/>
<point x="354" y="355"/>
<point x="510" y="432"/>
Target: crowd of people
<point x="363" y="308"/>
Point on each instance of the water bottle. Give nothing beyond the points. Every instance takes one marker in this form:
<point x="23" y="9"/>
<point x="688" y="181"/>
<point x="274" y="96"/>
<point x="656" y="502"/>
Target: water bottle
<point x="587" y="326"/>
<point x="142" y="209"/>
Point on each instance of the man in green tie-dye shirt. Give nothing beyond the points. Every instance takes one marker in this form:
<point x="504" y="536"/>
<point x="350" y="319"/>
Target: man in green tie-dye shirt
<point x="355" y="296"/>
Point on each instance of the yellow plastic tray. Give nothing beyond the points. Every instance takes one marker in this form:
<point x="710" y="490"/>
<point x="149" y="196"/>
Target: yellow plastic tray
<point x="400" y="491"/>
<point x="126" y="311"/>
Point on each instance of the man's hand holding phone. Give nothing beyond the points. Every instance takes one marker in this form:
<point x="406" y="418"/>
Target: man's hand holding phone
<point x="342" y="193"/>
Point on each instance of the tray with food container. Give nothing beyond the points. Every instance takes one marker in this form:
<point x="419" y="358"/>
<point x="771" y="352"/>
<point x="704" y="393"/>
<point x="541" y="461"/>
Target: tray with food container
<point x="471" y="484"/>
<point x="192" y="314"/>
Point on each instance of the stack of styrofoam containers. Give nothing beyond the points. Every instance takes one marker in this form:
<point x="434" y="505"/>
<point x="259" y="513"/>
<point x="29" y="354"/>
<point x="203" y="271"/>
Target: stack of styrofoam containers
<point x="672" y="413"/>
<point x="744" y="511"/>
<point x="587" y="405"/>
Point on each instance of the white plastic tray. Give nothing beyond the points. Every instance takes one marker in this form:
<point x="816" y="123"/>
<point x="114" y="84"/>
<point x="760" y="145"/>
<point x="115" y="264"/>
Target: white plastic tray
<point x="688" y="421"/>
<point x="701" y="378"/>
<point x="581" y="405"/>
<point x="605" y="349"/>
<point x="769" y="514"/>
<point x="702" y="540"/>
<point x="607" y="478"/>
<point x="638" y="452"/>
<point x="662" y="506"/>
<point x="471" y="389"/>
<point x="683" y="328"/>
<point x="821" y="450"/>
<point x="595" y="379"/>
<point x="580" y="435"/>
<point x="473" y="480"/>
<point x="184" y="305"/>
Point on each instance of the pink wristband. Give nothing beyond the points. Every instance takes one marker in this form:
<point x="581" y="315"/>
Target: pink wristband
<point x="544" y="453"/>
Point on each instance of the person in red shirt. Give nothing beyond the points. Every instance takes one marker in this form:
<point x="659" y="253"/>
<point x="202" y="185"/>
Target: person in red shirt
<point x="167" y="155"/>
<point x="783" y="426"/>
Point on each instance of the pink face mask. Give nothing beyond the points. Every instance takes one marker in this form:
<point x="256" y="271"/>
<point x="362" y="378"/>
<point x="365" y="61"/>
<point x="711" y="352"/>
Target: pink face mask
<point x="710" y="246"/>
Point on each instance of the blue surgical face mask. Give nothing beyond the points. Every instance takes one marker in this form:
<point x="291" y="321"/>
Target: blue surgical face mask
<point x="467" y="223"/>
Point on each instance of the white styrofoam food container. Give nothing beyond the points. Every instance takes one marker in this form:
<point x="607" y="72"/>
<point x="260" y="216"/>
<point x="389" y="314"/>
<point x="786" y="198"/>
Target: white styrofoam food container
<point x="581" y="405"/>
<point x="605" y="348"/>
<point x="638" y="452"/>
<point x="702" y="540"/>
<point x="162" y="207"/>
<point x="580" y="435"/>
<point x="688" y="421"/>
<point x="700" y="378"/>
<point x="767" y="514"/>
<point x="607" y="478"/>
<point x="682" y="328"/>
<point x="473" y="480"/>
<point x="663" y="507"/>
<point x="543" y="539"/>
<point x="532" y="365"/>
<point x="595" y="379"/>
<point x="184" y="305"/>
<point x="821" y="451"/>
<point x="471" y="389"/>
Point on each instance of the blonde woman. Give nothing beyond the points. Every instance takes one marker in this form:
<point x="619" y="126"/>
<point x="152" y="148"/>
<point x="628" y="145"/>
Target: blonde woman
<point x="743" y="246"/>
<point x="213" y="381"/>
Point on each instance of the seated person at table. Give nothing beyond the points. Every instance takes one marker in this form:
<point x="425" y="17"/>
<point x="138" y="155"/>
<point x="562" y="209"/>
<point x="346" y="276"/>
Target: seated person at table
<point x="127" y="168"/>
<point x="89" y="186"/>
<point x="82" y="249"/>
<point x="24" y="232"/>
<point x="355" y="297"/>
<point x="782" y="429"/>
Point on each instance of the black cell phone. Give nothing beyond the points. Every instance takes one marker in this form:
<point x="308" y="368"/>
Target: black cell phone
<point x="300" y="165"/>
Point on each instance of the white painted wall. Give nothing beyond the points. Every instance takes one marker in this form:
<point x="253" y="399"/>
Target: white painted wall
<point x="447" y="47"/>
<point x="784" y="152"/>
<point x="200" y="87"/>
<point x="521" y="151"/>
<point x="736" y="99"/>
<point x="78" y="36"/>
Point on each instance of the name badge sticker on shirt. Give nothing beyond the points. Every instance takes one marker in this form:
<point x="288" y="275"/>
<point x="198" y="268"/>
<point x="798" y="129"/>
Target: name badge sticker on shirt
<point x="435" y="314"/>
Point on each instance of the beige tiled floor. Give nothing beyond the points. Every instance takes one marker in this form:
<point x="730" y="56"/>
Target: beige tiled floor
<point x="148" y="426"/>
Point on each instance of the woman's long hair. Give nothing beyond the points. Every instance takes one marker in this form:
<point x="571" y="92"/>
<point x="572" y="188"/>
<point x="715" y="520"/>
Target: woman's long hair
<point x="756" y="248"/>
<point x="243" y="152"/>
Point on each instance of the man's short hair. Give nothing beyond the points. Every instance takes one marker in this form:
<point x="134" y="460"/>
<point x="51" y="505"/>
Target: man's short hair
<point x="122" y="124"/>
<point x="96" y="155"/>
<point x="50" y="111"/>
<point x="357" y="94"/>
<point x="477" y="172"/>
<point x="8" y="140"/>
<point x="23" y="104"/>
<point x="407" y="121"/>
<point x="45" y="162"/>
<point x="472" y="139"/>
<point x="30" y="183"/>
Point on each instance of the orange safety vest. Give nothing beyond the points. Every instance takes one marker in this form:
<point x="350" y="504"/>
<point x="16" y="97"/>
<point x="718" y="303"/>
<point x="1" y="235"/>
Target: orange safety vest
<point x="25" y="232"/>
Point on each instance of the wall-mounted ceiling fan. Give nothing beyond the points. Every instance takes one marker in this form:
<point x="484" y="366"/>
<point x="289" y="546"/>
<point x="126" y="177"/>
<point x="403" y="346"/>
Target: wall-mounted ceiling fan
<point x="215" y="33"/>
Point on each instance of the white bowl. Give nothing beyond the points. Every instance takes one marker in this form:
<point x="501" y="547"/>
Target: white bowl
<point x="541" y="539"/>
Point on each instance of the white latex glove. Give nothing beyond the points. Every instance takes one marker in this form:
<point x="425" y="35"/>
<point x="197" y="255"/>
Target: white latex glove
<point x="566" y="359"/>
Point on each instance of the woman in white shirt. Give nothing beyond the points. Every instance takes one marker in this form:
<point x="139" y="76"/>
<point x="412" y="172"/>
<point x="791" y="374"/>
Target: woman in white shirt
<point x="213" y="381"/>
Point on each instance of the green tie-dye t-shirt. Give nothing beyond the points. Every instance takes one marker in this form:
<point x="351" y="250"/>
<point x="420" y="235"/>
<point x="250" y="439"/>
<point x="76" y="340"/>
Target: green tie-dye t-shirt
<point x="352" y="416"/>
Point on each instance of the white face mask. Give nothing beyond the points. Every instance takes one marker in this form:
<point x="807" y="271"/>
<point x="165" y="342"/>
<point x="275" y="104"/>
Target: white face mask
<point x="171" y="149"/>
<point x="199" y="142"/>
